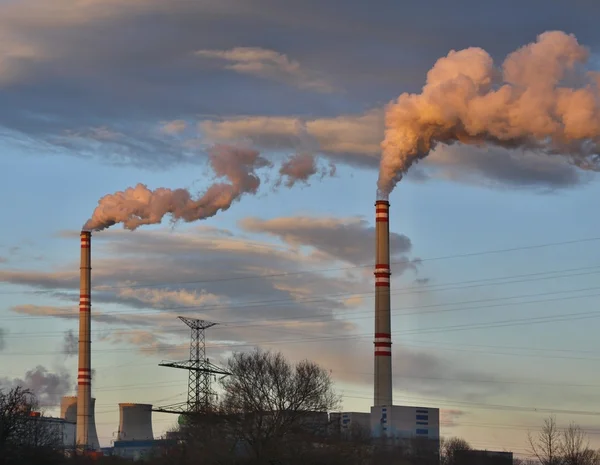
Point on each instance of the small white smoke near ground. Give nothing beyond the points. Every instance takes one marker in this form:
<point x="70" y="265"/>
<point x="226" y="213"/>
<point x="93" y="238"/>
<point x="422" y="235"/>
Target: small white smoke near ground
<point x="544" y="97"/>
<point x="48" y="387"/>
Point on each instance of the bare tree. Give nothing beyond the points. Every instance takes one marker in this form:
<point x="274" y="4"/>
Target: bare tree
<point x="268" y="400"/>
<point x="547" y="446"/>
<point x="576" y="447"/>
<point x="448" y="449"/>
<point x="24" y="437"/>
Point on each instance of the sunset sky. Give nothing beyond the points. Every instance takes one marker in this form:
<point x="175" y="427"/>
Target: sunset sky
<point x="496" y="249"/>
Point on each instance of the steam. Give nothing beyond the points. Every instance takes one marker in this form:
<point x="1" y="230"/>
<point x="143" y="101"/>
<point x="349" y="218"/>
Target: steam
<point x="47" y="387"/>
<point x="300" y="167"/>
<point x="542" y="98"/>
<point x="70" y="344"/>
<point x="139" y="205"/>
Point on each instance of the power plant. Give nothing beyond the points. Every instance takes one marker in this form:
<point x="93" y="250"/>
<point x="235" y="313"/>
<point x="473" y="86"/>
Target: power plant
<point x="135" y="434"/>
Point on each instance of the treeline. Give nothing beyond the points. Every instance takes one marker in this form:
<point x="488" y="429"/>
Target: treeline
<point x="266" y="415"/>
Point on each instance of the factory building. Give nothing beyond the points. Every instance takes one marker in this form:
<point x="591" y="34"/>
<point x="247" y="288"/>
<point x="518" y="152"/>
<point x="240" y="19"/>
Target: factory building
<point x="351" y="424"/>
<point x="397" y="422"/>
<point x="139" y="450"/>
<point x="54" y="430"/>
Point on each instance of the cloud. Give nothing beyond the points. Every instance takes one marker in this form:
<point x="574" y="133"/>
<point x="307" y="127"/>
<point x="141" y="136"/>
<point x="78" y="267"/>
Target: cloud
<point x="71" y="313"/>
<point x="118" y="82"/>
<point x="355" y="140"/>
<point x="350" y="138"/>
<point x="342" y="239"/>
<point x="175" y="127"/>
<point x="277" y="296"/>
<point x="150" y="343"/>
<point x="268" y="64"/>
<point x="498" y="167"/>
<point x="216" y="273"/>
<point x="252" y="287"/>
<point x="158" y="298"/>
<point x="415" y="370"/>
<point x="48" y="387"/>
<point x="449" y="417"/>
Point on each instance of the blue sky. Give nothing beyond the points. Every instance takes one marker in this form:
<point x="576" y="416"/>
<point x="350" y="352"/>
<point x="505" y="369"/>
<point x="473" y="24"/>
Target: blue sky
<point x="478" y="327"/>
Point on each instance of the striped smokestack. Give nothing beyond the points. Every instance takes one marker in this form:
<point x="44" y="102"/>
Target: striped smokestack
<point x="84" y="374"/>
<point x="383" y="337"/>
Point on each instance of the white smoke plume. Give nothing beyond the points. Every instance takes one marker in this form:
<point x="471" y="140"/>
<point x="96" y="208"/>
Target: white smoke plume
<point x="139" y="205"/>
<point x="47" y="387"/>
<point x="70" y="344"/>
<point x="543" y="97"/>
<point x="300" y="167"/>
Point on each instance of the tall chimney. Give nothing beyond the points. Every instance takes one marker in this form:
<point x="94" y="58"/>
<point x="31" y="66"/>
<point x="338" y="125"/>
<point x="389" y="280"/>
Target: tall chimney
<point x="383" y="337"/>
<point x="84" y="374"/>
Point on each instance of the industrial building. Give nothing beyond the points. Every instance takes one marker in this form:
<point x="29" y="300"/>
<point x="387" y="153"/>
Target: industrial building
<point x="387" y="422"/>
<point x="350" y="424"/>
<point x="53" y="429"/>
<point x="68" y="412"/>
<point x="398" y="423"/>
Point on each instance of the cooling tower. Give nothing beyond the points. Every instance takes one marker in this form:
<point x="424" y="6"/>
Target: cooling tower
<point x="84" y="374"/>
<point x="68" y="411"/>
<point x="135" y="423"/>
<point x="383" y="337"/>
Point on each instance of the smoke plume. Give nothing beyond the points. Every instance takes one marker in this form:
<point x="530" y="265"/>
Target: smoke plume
<point x="139" y="205"/>
<point x="2" y="340"/>
<point x="301" y="167"/>
<point x="47" y="387"/>
<point x="542" y="98"/>
<point x="70" y="344"/>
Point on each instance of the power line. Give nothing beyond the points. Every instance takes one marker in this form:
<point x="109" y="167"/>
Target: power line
<point x="502" y="323"/>
<point x="353" y="315"/>
<point x="324" y="270"/>
<point x="487" y="406"/>
<point x="323" y="298"/>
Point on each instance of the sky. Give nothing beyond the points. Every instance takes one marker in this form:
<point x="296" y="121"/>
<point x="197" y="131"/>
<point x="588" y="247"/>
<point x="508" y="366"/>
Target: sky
<point x="272" y="116"/>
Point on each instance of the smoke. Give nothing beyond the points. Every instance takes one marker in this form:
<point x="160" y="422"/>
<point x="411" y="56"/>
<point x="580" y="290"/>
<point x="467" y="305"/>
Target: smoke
<point x="2" y="339"/>
<point x="301" y="167"/>
<point x="47" y="387"/>
<point x="541" y="98"/>
<point x="139" y="205"/>
<point x="70" y="344"/>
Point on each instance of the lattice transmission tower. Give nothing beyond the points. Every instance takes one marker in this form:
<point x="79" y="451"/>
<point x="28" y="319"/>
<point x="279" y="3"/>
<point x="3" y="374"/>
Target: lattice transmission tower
<point x="201" y="396"/>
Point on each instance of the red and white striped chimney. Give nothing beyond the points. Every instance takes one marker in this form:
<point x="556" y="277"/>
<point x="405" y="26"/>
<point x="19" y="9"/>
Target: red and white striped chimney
<point x="84" y="374"/>
<point x="383" y="337"/>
